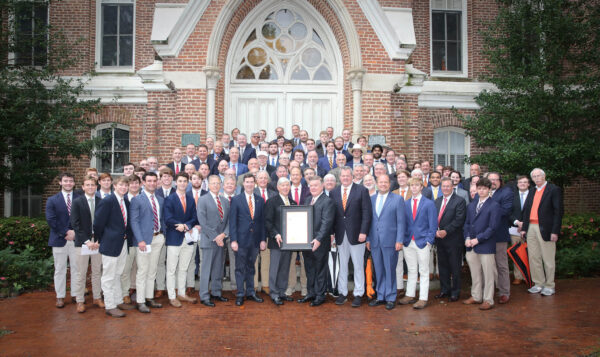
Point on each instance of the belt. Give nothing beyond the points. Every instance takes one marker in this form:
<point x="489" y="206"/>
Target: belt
<point x="155" y="234"/>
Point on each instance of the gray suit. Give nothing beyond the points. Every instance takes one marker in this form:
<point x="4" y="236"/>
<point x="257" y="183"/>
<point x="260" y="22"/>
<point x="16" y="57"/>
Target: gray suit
<point x="211" y="269"/>
<point x="462" y="194"/>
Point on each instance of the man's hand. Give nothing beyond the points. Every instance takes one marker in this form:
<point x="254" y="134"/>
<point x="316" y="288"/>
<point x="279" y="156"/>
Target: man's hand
<point x="316" y="244"/>
<point x="368" y="245"/>
<point x="519" y="225"/>
<point x="441" y="234"/>
<point x="142" y="246"/>
<point x="70" y="235"/>
<point x="332" y="240"/>
<point x="468" y="243"/>
<point x="474" y="242"/>
<point x="219" y="239"/>
<point x="524" y="235"/>
<point x="362" y="237"/>
<point x="553" y="237"/>
<point x="234" y="246"/>
<point x="96" y="246"/>
<point x="91" y="245"/>
<point x="198" y="228"/>
<point x="263" y="245"/>
<point x="279" y="240"/>
<point x="398" y="247"/>
<point x="180" y="227"/>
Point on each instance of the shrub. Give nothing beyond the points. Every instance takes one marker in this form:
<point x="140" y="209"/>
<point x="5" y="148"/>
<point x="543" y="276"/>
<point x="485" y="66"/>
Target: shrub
<point x="577" y="249"/>
<point x="19" y="232"/>
<point x="24" y="270"/>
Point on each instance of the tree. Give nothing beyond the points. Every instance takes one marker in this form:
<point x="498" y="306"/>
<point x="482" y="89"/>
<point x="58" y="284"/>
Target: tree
<point x="544" y="62"/>
<point x="43" y="120"/>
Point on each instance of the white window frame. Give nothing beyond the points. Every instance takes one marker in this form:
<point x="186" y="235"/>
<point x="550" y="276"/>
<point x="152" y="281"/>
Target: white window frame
<point x="9" y="207"/>
<point x="464" y="48"/>
<point x="11" y="21"/>
<point x="98" y="128"/>
<point x="98" y="54"/>
<point x="448" y="130"/>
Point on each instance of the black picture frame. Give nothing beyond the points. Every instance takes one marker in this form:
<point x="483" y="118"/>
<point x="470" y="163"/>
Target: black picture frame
<point x="291" y="220"/>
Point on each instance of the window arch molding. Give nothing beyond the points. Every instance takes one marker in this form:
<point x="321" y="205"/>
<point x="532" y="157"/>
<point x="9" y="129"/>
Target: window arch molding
<point x="115" y="152"/>
<point x="450" y="147"/>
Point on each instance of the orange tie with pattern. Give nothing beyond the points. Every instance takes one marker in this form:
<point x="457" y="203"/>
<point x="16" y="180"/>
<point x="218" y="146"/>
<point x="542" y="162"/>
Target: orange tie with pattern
<point x="250" y="207"/>
<point x="330" y="162"/>
<point x="196" y="197"/>
<point x="345" y="199"/>
<point x="402" y="193"/>
<point x="182" y="198"/>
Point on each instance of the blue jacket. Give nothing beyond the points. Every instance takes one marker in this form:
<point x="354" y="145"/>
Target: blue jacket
<point x="142" y="218"/>
<point x="424" y="225"/>
<point x="357" y="217"/>
<point x="504" y="197"/>
<point x="324" y="163"/>
<point x="174" y="214"/>
<point x="58" y="219"/>
<point x="388" y="228"/>
<point x="483" y="226"/>
<point x="109" y="229"/>
<point x="244" y="230"/>
<point x="249" y="153"/>
<point x="240" y="168"/>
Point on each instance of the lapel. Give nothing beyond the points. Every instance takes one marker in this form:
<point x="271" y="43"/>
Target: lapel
<point x="62" y="203"/>
<point x="485" y="204"/>
<point x="544" y="194"/>
<point x="214" y="204"/>
<point x="420" y="204"/>
<point x="449" y="204"/>
<point x="385" y="204"/>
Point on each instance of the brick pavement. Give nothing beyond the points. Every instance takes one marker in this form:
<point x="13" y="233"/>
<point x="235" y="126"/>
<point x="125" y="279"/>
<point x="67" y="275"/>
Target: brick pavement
<point x="565" y="324"/>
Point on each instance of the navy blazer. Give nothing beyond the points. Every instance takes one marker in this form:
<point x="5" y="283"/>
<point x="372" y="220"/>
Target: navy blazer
<point x="504" y="197"/>
<point x="388" y="228"/>
<point x="324" y="163"/>
<point x="109" y="228"/>
<point x="243" y="229"/>
<point x="160" y="193"/>
<point x="249" y="153"/>
<point x="58" y="219"/>
<point x="319" y="171"/>
<point x="174" y="214"/>
<point x="171" y="165"/>
<point x="424" y="226"/>
<point x="304" y="193"/>
<point x="240" y="168"/>
<point x="142" y="217"/>
<point x="357" y="217"/>
<point x="452" y="220"/>
<point x="483" y="225"/>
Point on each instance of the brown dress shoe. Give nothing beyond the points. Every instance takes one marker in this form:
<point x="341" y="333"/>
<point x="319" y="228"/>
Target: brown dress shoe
<point x="420" y="304"/>
<point x="471" y="301"/>
<point x="158" y="294"/>
<point x="99" y="303"/>
<point x="126" y="300"/>
<point x="189" y="291"/>
<point x="266" y="290"/>
<point x="126" y="306"/>
<point x="486" y="306"/>
<point x="115" y="313"/>
<point x="407" y="300"/>
<point x="517" y="282"/>
<point x="503" y="299"/>
<point x="186" y="299"/>
<point x="74" y="300"/>
<point x="174" y="303"/>
<point x="60" y="303"/>
<point x="80" y="307"/>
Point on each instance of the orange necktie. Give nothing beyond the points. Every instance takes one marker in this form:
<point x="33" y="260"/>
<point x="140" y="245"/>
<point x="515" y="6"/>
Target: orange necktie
<point x="402" y="194"/>
<point x="196" y="197"/>
<point x="250" y="207"/>
<point x="345" y="199"/>
<point x="182" y="198"/>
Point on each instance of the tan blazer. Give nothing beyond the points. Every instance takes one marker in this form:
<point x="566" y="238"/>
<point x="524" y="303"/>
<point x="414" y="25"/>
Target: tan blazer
<point x="408" y="193"/>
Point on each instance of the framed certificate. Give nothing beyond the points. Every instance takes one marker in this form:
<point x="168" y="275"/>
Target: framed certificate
<point x="297" y="227"/>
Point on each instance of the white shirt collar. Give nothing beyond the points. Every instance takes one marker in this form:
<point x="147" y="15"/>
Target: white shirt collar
<point x="542" y="187"/>
<point x="90" y="197"/>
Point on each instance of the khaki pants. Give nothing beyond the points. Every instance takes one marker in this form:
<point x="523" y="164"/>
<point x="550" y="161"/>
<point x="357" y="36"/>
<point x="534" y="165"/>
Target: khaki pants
<point x="147" y="264"/>
<point x="262" y="268"/>
<point x="128" y="276"/>
<point x="112" y="268"/>
<point x="502" y="272"/>
<point x="178" y="260"/>
<point x="82" y="268"/>
<point x="541" y="258"/>
<point x="514" y="240"/>
<point x="61" y="254"/>
<point x="293" y="277"/>
<point x="483" y="270"/>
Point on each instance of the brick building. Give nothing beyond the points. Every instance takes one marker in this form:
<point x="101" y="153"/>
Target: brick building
<point x="388" y="69"/>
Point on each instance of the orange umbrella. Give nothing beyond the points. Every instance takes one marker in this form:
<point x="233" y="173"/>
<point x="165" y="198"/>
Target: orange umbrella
<point x="369" y="276"/>
<point x="518" y="254"/>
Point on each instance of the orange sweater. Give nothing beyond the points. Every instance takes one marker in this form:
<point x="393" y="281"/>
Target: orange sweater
<point x="533" y="216"/>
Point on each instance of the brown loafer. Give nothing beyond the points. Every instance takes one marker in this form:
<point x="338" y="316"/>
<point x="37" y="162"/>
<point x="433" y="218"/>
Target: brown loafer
<point x="486" y="306"/>
<point x="517" y="282"/>
<point x="266" y="290"/>
<point x="115" y="313"/>
<point x="471" y="301"/>
<point x="125" y="306"/>
<point x="503" y="299"/>
<point x="80" y="307"/>
<point x="420" y="304"/>
<point x="60" y="303"/>
<point x="158" y="294"/>
<point x="99" y="303"/>
<point x="174" y="303"/>
<point x="407" y="300"/>
<point x="126" y="299"/>
<point x="186" y="299"/>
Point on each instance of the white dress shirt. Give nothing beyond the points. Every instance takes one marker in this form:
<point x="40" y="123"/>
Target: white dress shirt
<point x="157" y="206"/>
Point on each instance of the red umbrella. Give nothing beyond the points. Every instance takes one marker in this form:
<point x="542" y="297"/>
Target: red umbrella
<point x="518" y="254"/>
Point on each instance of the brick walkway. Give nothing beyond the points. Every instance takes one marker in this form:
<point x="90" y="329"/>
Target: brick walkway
<point x="565" y="324"/>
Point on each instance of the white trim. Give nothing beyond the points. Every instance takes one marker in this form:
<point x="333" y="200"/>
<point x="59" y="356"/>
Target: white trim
<point x="183" y="29"/>
<point x="441" y="94"/>
<point x="381" y="82"/>
<point x="98" y="50"/>
<point x="186" y="80"/>
<point x="386" y="33"/>
<point x="465" y="47"/>
<point x="114" y="89"/>
<point x="467" y="143"/>
<point x="164" y="19"/>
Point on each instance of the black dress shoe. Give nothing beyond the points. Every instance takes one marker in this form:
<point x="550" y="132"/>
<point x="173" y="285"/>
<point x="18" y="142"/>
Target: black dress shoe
<point x="277" y="301"/>
<point x="219" y="298"/>
<point x="239" y="301"/>
<point x="375" y="302"/>
<point x="357" y="301"/>
<point x="307" y="298"/>
<point x="441" y="295"/>
<point x="390" y="305"/>
<point x="254" y="298"/>
<point x="286" y="298"/>
<point x="341" y="300"/>
<point x="208" y="303"/>
<point x="317" y="302"/>
<point x="453" y="298"/>
<point x="153" y="304"/>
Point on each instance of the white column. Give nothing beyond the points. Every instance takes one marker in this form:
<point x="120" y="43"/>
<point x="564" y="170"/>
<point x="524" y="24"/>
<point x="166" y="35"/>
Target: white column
<point x="355" y="76"/>
<point x="212" y="79"/>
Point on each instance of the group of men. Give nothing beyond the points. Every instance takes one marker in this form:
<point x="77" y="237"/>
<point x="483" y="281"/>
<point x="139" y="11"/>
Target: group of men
<point x="166" y="224"/>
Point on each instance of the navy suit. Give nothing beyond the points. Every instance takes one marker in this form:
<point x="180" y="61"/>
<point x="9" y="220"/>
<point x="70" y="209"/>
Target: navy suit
<point x="304" y="193"/>
<point x="249" y="153"/>
<point x="181" y="165"/>
<point x="357" y="217"/>
<point x="387" y="229"/>
<point x="324" y="163"/>
<point x="319" y="170"/>
<point x="504" y="197"/>
<point x="450" y="248"/>
<point x="483" y="226"/>
<point x="161" y="193"/>
<point x="423" y="227"/>
<point x="58" y="219"/>
<point x="248" y="232"/>
<point x="174" y="214"/>
<point x="240" y="168"/>
<point x="109" y="227"/>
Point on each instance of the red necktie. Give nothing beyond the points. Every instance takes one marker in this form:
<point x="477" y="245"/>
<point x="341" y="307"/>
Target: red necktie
<point x="176" y="168"/>
<point x="69" y="203"/>
<point x="296" y="198"/>
<point x="442" y="211"/>
<point x="414" y="213"/>
<point x="220" y="208"/>
<point x="263" y="195"/>
<point x="123" y="212"/>
<point x="155" y="212"/>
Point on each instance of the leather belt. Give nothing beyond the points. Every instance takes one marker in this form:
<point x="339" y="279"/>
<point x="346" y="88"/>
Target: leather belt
<point x="155" y="234"/>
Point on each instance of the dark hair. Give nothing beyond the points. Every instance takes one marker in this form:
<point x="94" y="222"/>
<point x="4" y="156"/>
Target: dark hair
<point x="249" y="175"/>
<point x="458" y="172"/>
<point x="182" y="174"/>
<point x="65" y="174"/>
<point x="129" y="164"/>
<point x="288" y="142"/>
<point x="377" y="146"/>
<point x="299" y="151"/>
<point x="134" y="178"/>
<point x="519" y="177"/>
<point x="139" y="169"/>
<point x="149" y="174"/>
<point x="484" y="181"/>
<point x="435" y="172"/>
<point x="203" y="146"/>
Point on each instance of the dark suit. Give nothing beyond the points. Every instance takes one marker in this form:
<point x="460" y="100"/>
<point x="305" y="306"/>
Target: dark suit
<point x="550" y="211"/>
<point x="280" y="260"/>
<point x="319" y="170"/>
<point x="161" y="193"/>
<point x="240" y="168"/>
<point x="315" y="263"/>
<point x="174" y="214"/>
<point x="323" y="163"/>
<point x="58" y="219"/>
<point x="504" y="197"/>
<point x="81" y="219"/>
<point x="181" y="165"/>
<point x="249" y="153"/>
<point x="482" y="225"/>
<point x="304" y="193"/>
<point x="109" y="228"/>
<point x="449" y="248"/>
<point x="248" y="232"/>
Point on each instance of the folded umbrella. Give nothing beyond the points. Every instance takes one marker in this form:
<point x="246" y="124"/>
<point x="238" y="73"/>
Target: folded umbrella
<point x="518" y="254"/>
<point x="334" y="267"/>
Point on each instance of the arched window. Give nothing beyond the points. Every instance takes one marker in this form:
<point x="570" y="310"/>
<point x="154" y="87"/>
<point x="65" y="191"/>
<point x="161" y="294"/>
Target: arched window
<point x="113" y="153"/>
<point x="450" y="147"/>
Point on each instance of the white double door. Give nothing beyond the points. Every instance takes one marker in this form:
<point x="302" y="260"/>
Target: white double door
<point x="251" y="111"/>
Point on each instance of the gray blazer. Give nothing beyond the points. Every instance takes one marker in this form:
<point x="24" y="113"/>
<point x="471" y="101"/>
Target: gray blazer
<point x="208" y="218"/>
<point x="462" y="193"/>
